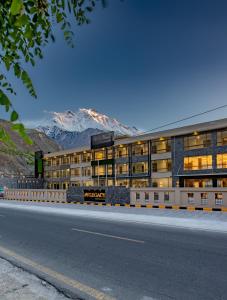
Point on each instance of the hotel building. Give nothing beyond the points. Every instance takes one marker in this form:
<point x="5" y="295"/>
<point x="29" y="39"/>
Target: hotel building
<point x="189" y="156"/>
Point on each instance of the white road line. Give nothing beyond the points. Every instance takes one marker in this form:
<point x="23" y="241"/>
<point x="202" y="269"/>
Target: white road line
<point x="109" y="236"/>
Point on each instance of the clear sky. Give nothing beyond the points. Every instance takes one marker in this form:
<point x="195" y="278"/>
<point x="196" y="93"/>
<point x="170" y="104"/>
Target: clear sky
<point x="145" y="62"/>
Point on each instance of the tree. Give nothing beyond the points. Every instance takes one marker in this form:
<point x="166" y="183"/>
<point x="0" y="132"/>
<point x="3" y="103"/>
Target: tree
<point x="26" y="26"/>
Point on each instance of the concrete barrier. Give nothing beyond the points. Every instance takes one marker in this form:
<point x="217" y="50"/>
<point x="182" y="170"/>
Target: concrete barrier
<point x="38" y="195"/>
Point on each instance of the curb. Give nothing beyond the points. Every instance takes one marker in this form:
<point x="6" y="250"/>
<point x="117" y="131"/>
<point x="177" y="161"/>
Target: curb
<point x="161" y="206"/>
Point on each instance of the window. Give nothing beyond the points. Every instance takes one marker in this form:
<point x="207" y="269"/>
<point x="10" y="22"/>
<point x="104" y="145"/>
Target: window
<point x="146" y="196"/>
<point x="65" y="160"/>
<point x="198" y="183"/>
<point x="156" y="196"/>
<point x="75" y="172"/>
<point x="197" y="141"/>
<point x="110" y="153"/>
<point x="100" y="170"/>
<point x="218" y="198"/>
<point x="222" y="138"/>
<point x="137" y="196"/>
<point x="166" y="196"/>
<point x="204" y="198"/>
<point x="140" y="149"/>
<point x="86" y="156"/>
<point x="197" y="162"/>
<point x="122" y="182"/>
<point x="161" y="165"/>
<point x="162" y="182"/>
<point x="99" y="155"/>
<point x="140" y="168"/>
<point x="161" y="146"/>
<point x="122" y="169"/>
<point x="86" y="171"/>
<point x="139" y="183"/>
<point x="222" y="161"/>
<point x="191" y="198"/>
<point x="121" y="151"/>
<point x="222" y="182"/>
<point x="75" y="159"/>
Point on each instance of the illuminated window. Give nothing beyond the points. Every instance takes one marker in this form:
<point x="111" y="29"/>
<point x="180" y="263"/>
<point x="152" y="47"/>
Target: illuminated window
<point x="122" y="169"/>
<point x="197" y="162"/>
<point x="197" y="141"/>
<point x="140" y="149"/>
<point x="222" y="138"/>
<point x="222" y="182"/>
<point x="198" y="183"/>
<point x="161" y="146"/>
<point x="86" y="171"/>
<point x="100" y="170"/>
<point x="162" y="182"/>
<point x="99" y="155"/>
<point x="139" y="183"/>
<point x="140" y="168"/>
<point x="75" y="172"/>
<point x="222" y="161"/>
<point x="161" y="165"/>
<point x="86" y="156"/>
<point x="121" y="151"/>
<point x="75" y="159"/>
<point x="122" y="182"/>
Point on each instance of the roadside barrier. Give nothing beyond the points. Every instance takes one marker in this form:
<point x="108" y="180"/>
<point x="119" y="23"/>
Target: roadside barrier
<point x="149" y="206"/>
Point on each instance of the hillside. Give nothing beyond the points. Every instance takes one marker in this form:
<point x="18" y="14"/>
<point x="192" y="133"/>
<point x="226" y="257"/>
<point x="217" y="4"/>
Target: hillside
<point x="20" y="160"/>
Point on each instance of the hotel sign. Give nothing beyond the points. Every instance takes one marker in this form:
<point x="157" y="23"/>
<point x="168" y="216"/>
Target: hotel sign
<point x="101" y="140"/>
<point x="95" y="195"/>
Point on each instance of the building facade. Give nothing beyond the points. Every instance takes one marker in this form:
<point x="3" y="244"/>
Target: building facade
<point x="190" y="156"/>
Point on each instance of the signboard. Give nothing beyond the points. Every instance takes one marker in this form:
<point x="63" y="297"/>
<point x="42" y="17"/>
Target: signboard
<point x="39" y="164"/>
<point x="101" y="140"/>
<point x="95" y="195"/>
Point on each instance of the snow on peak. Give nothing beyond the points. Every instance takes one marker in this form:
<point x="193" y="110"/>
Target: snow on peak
<point x="83" y="119"/>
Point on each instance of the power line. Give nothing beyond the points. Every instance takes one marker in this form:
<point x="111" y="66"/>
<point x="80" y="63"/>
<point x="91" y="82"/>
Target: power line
<point x="184" y="119"/>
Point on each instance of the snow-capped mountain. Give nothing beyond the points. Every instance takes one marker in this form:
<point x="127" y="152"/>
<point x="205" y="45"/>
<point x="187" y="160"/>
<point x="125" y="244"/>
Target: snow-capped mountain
<point x="72" y="129"/>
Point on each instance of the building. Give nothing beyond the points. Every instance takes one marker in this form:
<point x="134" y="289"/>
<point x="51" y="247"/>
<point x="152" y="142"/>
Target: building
<point x="189" y="156"/>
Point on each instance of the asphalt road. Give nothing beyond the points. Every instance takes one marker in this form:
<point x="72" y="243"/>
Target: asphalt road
<point x="124" y="261"/>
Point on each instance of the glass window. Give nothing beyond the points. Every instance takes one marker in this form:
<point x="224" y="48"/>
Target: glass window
<point x="140" y="148"/>
<point x="161" y="165"/>
<point x="197" y="141"/>
<point x="156" y="196"/>
<point x="75" y="159"/>
<point x="218" y="198"/>
<point x="110" y="153"/>
<point x="139" y="183"/>
<point x="137" y="196"/>
<point x="222" y="161"/>
<point x="191" y="198"/>
<point x="99" y="155"/>
<point x="75" y="172"/>
<point x="146" y="196"/>
<point x="204" y="198"/>
<point x="122" y="169"/>
<point x="162" y="182"/>
<point x="140" y="168"/>
<point x="222" y="138"/>
<point x="86" y="156"/>
<point x="198" y="183"/>
<point x="123" y="182"/>
<point x="166" y="196"/>
<point x="197" y="162"/>
<point x="121" y="151"/>
<point x="222" y="182"/>
<point x="86" y="171"/>
<point x="161" y="146"/>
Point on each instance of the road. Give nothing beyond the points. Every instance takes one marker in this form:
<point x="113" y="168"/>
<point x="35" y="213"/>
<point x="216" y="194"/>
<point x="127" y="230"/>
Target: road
<point x="121" y="260"/>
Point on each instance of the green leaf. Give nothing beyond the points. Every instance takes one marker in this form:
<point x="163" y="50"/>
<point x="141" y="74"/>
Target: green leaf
<point x="16" y="7"/>
<point x="14" y="116"/>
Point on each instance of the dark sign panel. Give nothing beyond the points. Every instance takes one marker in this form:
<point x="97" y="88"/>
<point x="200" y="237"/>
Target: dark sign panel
<point x="102" y="140"/>
<point x="95" y="195"/>
<point x="39" y="164"/>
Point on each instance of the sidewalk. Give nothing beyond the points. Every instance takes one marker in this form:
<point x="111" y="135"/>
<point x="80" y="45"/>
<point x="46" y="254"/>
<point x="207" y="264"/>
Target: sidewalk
<point x="16" y="284"/>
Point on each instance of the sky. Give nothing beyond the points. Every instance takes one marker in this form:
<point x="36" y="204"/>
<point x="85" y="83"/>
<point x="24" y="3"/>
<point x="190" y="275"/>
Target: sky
<point x="144" y="62"/>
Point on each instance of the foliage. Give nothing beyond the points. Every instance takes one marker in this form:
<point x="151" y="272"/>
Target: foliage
<point x="26" y="26"/>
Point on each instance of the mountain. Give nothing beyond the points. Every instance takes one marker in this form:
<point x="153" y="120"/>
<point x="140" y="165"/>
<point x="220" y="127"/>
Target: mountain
<point x="21" y="158"/>
<point x="74" y="129"/>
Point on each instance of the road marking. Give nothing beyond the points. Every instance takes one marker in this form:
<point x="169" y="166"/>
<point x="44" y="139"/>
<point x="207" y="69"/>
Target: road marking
<point x="109" y="235"/>
<point x="96" y="294"/>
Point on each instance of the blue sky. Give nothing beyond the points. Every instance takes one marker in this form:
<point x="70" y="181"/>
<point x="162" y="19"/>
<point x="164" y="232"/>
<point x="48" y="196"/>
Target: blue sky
<point x="145" y="62"/>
